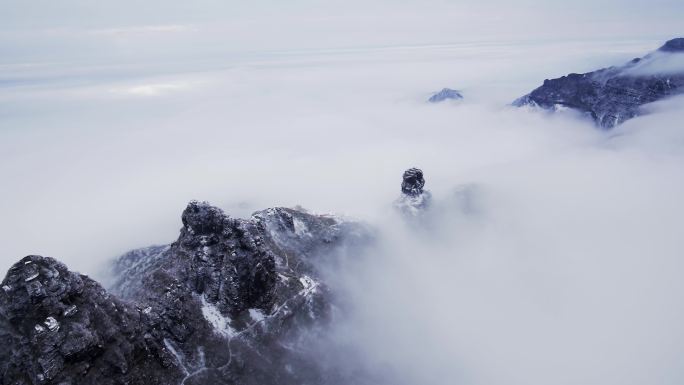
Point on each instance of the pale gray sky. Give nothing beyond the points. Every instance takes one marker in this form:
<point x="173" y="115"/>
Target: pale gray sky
<point x="79" y="30"/>
<point x="114" y="114"/>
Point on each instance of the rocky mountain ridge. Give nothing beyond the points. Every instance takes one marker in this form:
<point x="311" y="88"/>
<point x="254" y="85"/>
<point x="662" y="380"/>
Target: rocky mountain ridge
<point x="232" y="301"/>
<point x="611" y="96"/>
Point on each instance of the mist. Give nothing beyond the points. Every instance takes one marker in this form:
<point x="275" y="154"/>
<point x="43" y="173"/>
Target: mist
<point x="565" y="272"/>
<point x="658" y="63"/>
<point x="553" y="252"/>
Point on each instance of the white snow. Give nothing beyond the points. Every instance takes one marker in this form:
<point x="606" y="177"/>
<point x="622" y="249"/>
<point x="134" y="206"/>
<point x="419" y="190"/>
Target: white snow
<point x="52" y="324"/>
<point x="147" y="310"/>
<point x="34" y="276"/>
<point x="71" y="310"/>
<point x="308" y="283"/>
<point x="559" y="107"/>
<point x="39" y="328"/>
<point x="283" y="278"/>
<point x="256" y="314"/>
<point x="413" y="205"/>
<point x="6" y="288"/>
<point x="220" y="323"/>
<point x="300" y="228"/>
<point x="179" y="357"/>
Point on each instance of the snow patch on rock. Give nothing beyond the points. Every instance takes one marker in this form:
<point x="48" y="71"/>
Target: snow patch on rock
<point x="308" y="283"/>
<point x="52" y="324"/>
<point x="300" y="228"/>
<point x="257" y="315"/>
<point x="218" y="321"/>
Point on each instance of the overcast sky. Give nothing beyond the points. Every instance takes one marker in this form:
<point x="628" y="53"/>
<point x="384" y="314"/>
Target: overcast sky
<point x="567" y="270"/>
<point x="131" y="31"/>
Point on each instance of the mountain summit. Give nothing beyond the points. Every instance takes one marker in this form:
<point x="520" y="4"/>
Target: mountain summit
<point x="230" y="301"/>
<point x="611" y="96"/>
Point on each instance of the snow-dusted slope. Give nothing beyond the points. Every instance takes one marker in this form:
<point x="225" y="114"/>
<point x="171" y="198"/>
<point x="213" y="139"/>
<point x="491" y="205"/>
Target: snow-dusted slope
<point x="231" y="301"/>
<point x="610" y="96"/>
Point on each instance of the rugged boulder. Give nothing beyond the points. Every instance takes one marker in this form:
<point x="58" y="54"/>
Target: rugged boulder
<point x="414" y="200"/>
<point x="610" y="96"/>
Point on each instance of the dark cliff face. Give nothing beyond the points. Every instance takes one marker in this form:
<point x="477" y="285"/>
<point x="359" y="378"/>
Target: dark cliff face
<point x="674" y="45"/>
<point x="59" y="327"/>
<point x="231" y="301"/>
<point x="611" y="96"/>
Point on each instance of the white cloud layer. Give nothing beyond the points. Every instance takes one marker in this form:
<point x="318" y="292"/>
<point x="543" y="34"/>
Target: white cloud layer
<point x="658" y="63"/>
<point x="568" y="270"/>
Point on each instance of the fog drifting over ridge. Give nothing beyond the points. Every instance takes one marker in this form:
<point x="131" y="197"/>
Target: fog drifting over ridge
<point x="566" y="271"/>
<point x="331" y="131"/>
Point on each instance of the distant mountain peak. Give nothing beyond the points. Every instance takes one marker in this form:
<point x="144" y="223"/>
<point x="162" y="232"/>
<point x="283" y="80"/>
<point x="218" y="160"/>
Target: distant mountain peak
<point x="445" y="94"/>
<point x="674" y="45"/>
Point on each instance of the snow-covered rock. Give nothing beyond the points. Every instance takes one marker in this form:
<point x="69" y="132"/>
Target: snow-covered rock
<point x="610" y="96"/>
<point x="414" y="201"/>
<point x="230" y="301"/>
<point x="445" y="94"/>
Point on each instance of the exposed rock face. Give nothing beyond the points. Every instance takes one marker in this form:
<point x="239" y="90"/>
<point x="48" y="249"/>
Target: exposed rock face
<point x="445" y="94"/>
<point x="231" y="301"/>
<point x="674" y="45"/>
<point x="59" y="327"/>
<point x="611" y="96"/>
<point x="414" y="200"/>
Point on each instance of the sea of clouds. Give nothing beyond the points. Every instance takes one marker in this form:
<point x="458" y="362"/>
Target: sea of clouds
<point x="562" y="267"/>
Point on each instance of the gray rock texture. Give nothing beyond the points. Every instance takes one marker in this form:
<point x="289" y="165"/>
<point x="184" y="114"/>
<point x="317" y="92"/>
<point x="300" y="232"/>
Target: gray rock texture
<point x="232" y="301"/>
<point x="611" y="96"/>
<point x="60" y="327"/>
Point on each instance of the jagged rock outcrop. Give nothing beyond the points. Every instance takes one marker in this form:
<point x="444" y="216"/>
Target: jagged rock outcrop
<point x="610" y="96"/>
<point x="231" y="301"/>
<point x="412" y="182"/>
<point x="59" y="327"/>
<point x="445" y="94"/>
<point x="414" y="200"/>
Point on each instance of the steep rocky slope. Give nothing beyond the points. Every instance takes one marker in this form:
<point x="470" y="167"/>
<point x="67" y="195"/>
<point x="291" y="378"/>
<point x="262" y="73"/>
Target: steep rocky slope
<point x="610" y="96"/>
<point x="232" y="301"/>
